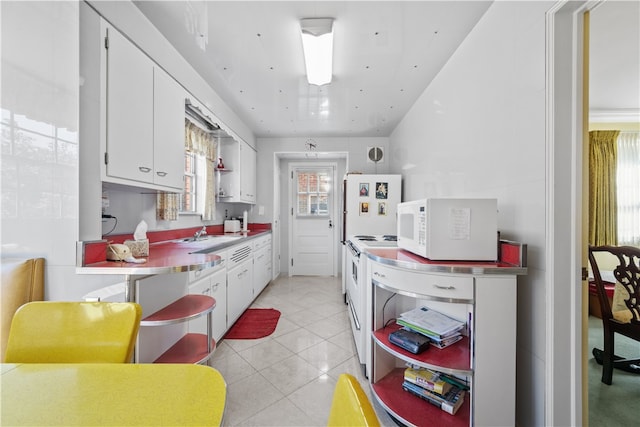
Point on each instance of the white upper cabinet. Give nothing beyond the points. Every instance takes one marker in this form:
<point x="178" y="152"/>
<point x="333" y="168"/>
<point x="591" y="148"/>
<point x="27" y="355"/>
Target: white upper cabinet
<point x="168" y="130"/>
<point x="248" y="173"/>
<point x="237" y="181"/>
<point x="144" y="119"/>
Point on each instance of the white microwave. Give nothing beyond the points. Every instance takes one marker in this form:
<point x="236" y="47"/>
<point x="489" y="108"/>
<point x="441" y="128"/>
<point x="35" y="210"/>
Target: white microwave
<point x="449" y="229"/>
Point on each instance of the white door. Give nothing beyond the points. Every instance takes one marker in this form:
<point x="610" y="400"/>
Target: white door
<point x="313" y="231"/>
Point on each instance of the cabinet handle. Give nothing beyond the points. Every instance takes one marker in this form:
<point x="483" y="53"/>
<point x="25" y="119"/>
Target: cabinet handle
<point x="215" y="287"/>
<point x="160" y="173"/>
<point x="446" y="288"/>
<point x="375" y="273"/>
<point x="144" y="169"/>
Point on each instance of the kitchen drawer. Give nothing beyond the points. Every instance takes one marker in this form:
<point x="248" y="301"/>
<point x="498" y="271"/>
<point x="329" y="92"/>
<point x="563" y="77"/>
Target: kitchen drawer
<point x="262" y="242"/>
<point x="424" y="284"/>
<point x="199" y="274"/>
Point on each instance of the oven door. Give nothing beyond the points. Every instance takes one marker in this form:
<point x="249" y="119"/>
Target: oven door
<point x="353" y="282"/>
<point x="354" y="297"/>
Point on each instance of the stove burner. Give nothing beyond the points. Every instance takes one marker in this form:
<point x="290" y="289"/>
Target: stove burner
<point x="364" y="237"/>
<point x="390" y="238"/>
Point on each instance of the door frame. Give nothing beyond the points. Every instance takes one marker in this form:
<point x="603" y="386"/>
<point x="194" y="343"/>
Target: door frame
<point x="334" y="207"/>
<point x="566" y="396"/>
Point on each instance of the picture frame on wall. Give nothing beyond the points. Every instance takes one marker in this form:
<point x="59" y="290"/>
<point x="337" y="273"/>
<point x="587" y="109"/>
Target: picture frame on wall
<point x="382" y="208"/>
<point x="382" y="190"/>
<point x="364" y="208"/>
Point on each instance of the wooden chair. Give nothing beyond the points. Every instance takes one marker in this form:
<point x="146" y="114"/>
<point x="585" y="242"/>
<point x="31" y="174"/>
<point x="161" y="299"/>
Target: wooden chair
<point x="624" y="320"/>
<point x="350" y="405"/>
<point x="22" y="282"/>
<point x="73" y="332"/>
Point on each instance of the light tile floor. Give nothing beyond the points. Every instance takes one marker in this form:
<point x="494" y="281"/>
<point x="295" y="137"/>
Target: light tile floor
<point x="287" y="379"/>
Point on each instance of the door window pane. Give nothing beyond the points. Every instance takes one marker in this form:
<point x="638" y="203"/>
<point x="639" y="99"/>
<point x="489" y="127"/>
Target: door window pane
<point x="313" y="192"/>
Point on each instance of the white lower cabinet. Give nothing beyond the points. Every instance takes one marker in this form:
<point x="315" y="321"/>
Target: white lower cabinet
<point x="213" y="284"/>
<point x="261" y="264"/>
<point x="239" y="290"/>
<point x="484" y="358"/>
<point x="239" y="280"/>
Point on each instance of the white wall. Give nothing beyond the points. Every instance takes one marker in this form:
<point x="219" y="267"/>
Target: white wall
<point x="479" y="131"/>
<point x="356" y="147"/>
<point x="40" y="145"/>
<point x="269" y="149"/>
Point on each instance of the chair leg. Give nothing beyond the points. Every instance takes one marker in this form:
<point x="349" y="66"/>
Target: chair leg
<point x="607" y="357"/>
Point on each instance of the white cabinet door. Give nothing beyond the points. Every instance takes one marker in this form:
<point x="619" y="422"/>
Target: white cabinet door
<point x="129" y="98"/>
<point x="239" y="289"/>
<point x="215" y="286"/>
<point x="248" y="173"/>
<point x="168" y="131"/>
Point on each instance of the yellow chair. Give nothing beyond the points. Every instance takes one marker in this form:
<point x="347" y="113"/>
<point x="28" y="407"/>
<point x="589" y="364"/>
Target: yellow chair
<point x="22" y="282"/>
<point x="73" y="332"/>
<point x="350" y="406"/>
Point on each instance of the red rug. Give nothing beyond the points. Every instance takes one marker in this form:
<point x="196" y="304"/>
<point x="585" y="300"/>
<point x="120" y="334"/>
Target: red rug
<point x="254" y="323"/>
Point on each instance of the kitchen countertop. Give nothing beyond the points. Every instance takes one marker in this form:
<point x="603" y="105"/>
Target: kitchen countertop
<point x="174" y="256"/>
<point x="401" y="258"/>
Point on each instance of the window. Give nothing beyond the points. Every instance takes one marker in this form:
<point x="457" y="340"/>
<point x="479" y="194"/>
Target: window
<point x="313" y="192"/>
<point x="192" y="199"/>
<point x="628" y="188"/>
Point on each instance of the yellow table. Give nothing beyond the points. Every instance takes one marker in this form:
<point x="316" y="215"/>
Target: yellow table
<point x="111" y="394"/>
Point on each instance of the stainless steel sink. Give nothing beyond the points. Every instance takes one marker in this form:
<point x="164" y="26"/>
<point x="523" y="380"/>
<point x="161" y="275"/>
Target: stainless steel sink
<point x="205" y="244"/>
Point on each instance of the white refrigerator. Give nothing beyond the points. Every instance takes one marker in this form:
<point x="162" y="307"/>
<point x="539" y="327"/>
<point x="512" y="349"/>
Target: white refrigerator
<point x="369" y="204"/>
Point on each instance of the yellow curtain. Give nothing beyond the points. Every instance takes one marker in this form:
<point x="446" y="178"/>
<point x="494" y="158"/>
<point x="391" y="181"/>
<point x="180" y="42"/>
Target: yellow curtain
<point x="167" y="206"/>
<point x="603" y="211"/>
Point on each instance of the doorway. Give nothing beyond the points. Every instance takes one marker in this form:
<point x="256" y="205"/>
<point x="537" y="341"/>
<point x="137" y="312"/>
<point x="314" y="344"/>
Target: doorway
<point x="313" y="210"/>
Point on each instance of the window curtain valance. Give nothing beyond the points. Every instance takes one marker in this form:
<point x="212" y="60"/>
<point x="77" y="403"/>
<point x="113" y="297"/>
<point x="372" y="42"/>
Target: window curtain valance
<point x="602" y="187"/>
<point x="199" y="141"/>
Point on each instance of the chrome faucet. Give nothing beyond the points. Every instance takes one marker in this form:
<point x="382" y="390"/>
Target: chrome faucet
<point x="200" y="233"/>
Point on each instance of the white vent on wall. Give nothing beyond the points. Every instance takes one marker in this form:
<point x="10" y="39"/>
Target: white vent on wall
<point x="375" y="155"/>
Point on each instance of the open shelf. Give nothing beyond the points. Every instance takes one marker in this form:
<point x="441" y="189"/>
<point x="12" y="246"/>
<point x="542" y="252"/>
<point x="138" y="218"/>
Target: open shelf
<point x="454" y="359"/>
<point x="412" y="410"/>
<point x="191" y="348"/>
<point x="181" y="310"/>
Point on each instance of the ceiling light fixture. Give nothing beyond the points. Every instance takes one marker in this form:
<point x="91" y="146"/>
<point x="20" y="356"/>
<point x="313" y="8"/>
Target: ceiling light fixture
<point x="317" y="43"/>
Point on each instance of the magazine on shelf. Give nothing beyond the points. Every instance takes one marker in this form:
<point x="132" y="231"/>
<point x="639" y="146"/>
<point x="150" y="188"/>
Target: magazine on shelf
<point x="431" y="323"/>
<point x="450" y="403"/>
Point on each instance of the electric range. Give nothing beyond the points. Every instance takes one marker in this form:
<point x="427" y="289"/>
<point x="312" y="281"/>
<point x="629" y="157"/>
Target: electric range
<point x="357" y="292"/>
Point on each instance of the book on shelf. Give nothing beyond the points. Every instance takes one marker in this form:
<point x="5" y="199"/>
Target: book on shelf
<point x="450" y="402"/>
<point x="451" y="379"/>
<point x="427" y="379"/>
<point x="431" y="323"/>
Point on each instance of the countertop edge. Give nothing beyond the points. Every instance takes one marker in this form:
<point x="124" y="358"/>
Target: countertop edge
<point x="459" y="267"/>
<point x="193" y="260"/>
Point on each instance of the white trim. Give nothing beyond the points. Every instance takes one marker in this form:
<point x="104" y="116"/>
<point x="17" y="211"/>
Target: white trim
<point x="621" y="115"/>
<point x="564" y="99"/>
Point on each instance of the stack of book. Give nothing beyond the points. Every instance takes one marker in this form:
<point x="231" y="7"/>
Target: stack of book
<point x="436" y="388"/>
<point x="441" y="330"/>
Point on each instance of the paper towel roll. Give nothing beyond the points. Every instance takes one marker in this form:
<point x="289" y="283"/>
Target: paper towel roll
<point x="245" y="221"/>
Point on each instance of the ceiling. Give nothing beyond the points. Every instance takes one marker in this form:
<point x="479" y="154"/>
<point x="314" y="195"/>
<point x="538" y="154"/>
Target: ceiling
<point x="385" y="55"/>
<point x="614" y="61"/>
